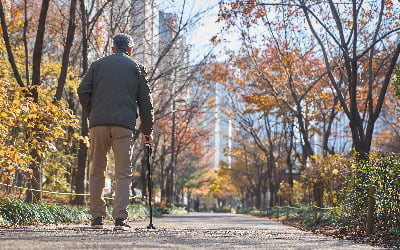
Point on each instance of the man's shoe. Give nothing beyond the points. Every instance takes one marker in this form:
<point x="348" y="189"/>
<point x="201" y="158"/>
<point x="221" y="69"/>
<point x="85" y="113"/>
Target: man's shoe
<point x="97" y="223"/>
<point x="120" y="224"/>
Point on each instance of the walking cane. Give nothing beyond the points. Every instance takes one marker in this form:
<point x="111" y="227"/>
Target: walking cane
<point x="149" y="184"/>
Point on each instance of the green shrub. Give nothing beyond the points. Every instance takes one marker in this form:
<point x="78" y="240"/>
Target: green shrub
<point x="174" y="210"/>
<point x="163" y="210"/>
<point x="136" y="211"/>
<point x="383" y="172"/>
<point x="3" y="222"/>
<point x="303" y="214"/>
<point x="177" y="211"/>
<point x="22" y="213"/>
<point x="223" y="210"/>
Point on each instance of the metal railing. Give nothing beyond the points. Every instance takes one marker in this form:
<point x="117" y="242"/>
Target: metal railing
<point x="286" y="212"/>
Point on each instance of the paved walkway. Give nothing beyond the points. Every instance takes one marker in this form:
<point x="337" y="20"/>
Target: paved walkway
<point x="197" y="230"/>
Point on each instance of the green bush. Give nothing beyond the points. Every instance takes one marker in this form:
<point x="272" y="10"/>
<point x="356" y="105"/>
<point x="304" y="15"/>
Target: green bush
<point x="136" y="211"/>
<point x="22" y="213"/>
<point x="174" y="210"/>
<point x="3" y="221"/>
<point x="223" y="210"/>
<point x="383" y="172"/>
<point x="303" y="214"/>
<point x="177" y="211"/>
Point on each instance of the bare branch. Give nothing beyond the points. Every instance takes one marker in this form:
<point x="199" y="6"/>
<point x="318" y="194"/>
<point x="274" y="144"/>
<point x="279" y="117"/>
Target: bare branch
<point x="8" y="47"/>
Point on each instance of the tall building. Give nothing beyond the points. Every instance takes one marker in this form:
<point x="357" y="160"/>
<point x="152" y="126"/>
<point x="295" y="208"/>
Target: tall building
<point x="218" y="149"/>
<point x="173" y="56"/>
<point x="223" y="128"/>
<point x="145" y="30"/>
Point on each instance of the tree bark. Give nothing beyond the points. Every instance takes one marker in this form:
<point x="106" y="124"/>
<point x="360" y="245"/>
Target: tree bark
<point x="371" y="210"/>
<point x="83" y="149"/>
<point x="66" y="53"/>
<point x="26" y="43"/>
<point x="80" y="171"/>
<point x="318" y="193"/>
<point x="257" y="194"/>
<point x="35" y="180"/>
<point x="36" y="61"/>
<point x="8" y="47"/>
<point x="38" y="49"/>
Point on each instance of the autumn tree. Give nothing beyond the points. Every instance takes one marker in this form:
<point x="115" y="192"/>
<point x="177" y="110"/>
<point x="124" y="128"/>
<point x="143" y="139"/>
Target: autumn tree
<point x="359" y="44"/>
<point x="32" y="87"/>
<point x="351" y="67"/>
<point x="388" y="136"/>
<point x="287" y="100"/>
<point x="59" y="67"/>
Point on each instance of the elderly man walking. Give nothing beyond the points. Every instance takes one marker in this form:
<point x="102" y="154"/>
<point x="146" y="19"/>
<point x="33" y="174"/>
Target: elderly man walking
<point x="111" y="92"/>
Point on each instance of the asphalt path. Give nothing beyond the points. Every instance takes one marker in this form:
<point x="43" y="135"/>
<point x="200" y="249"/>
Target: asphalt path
<point x="195" y="230"/>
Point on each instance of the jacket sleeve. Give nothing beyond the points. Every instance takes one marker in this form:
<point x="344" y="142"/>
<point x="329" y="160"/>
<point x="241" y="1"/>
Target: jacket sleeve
<point x="145" y="103"/>
<point x="85" y="90"/>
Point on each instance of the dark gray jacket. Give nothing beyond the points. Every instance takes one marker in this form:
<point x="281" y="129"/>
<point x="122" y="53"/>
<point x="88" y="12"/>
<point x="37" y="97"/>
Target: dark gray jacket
<point x="112" y="90"/>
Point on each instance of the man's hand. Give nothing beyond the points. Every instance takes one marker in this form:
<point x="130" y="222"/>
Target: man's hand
<point x="147" y="139"/>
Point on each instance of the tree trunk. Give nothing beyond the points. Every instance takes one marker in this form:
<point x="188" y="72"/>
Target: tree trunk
<point x="318" y="193"/>
<point x="80" y="171"/>
<point x="8" y="47"/>
<point x="67" y="50"/>
<point x="83" y="150"/>
<point x="38" y="50"/>
<point x="189" y="199"/>
<point x="168" y="189"/>
<point x="163" y="175"/>
<point x="36" y="61"/>
<point x="25" y="39"/>
<point x="328" y="128"/>
<point x="272" y="195"/>
<point x="35" y="181"/>
<point x="72" y="149"/>
<point x="257" y="196"/>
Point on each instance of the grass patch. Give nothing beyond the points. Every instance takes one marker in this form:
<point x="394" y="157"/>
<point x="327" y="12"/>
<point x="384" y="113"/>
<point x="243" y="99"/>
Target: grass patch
<point x="175" y="210"/>
<point x="135" y="212"/>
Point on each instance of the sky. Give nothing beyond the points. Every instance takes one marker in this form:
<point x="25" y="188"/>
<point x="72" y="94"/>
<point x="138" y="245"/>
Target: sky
<point x="199" y="38"/>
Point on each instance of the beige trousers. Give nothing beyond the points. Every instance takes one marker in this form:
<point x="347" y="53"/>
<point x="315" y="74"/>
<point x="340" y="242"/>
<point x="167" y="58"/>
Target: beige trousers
<point x="102" y="139"/>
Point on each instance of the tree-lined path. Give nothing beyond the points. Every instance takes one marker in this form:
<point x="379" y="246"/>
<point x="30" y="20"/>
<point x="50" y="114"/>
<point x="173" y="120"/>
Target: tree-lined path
<point x="196" y="230"/>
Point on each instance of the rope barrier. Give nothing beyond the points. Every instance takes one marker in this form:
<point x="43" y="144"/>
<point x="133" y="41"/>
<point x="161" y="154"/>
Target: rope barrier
<point x="52" y="192"/>
<point x="42" y="191"/>
<point x="327" y="208"/>
<point x="132" y="197"/>
<point x="316" y="213"/>
<point x="322" y="208"/>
